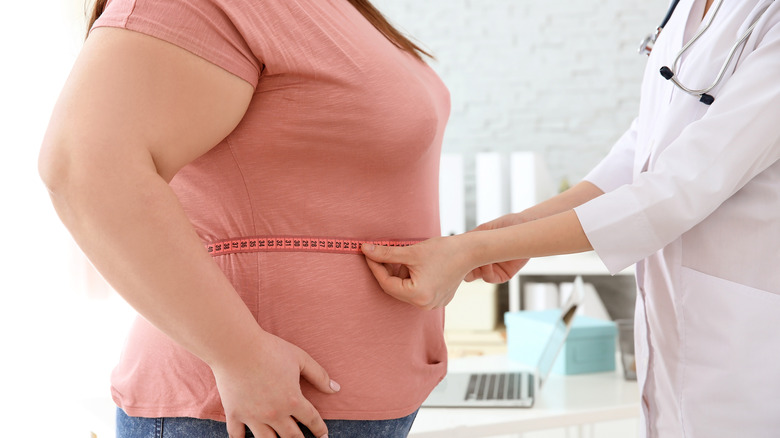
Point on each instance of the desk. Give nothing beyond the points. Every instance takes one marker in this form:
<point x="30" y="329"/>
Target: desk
<point x="564" y="401"/>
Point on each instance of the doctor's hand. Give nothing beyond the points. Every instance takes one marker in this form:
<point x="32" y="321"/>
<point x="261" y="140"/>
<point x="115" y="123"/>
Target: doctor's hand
<point x="503" y="271"/>
<point x="262" y="390"/>
<point x="425" y="275"/>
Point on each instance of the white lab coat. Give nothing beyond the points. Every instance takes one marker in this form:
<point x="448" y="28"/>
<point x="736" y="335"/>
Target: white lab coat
<point x="693" y="197"/>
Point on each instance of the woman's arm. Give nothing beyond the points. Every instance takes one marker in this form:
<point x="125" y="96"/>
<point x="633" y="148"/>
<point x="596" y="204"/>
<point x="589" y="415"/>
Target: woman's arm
<point x="581" y="193"/>
<point x="437" y="266"/>
<point x="133" y="112"/>
<point x="567" y="200"/>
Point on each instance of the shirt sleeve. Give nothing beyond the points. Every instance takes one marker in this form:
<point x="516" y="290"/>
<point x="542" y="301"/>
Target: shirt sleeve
<point x="712" y="159"/>
<point x="202" y="27"/>
<point x="616" y="169"/>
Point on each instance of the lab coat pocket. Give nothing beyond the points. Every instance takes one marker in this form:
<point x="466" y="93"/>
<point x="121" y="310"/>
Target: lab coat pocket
<point x="730" y="385"/>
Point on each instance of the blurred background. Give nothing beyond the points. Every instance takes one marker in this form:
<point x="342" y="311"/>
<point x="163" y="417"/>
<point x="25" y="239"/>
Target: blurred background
<point x="557" y="78"/>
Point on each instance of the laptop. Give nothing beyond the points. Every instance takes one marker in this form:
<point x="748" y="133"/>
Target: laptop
<point x="510" y="388"/>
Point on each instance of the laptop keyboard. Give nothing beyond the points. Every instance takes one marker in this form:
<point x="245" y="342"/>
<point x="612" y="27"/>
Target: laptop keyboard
<point x="499" y="386"/>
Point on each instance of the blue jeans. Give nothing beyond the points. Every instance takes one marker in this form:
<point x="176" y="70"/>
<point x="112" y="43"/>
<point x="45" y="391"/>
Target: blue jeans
<point x="181" y="427"/>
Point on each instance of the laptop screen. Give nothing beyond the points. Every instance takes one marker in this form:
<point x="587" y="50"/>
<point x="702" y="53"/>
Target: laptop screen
<point x="560" y="331"/>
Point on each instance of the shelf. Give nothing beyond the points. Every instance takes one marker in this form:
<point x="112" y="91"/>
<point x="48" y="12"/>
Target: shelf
<point x="586" y="263"/>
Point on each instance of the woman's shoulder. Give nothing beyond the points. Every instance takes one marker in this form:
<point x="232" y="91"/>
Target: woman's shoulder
<point x="206" y="28"/>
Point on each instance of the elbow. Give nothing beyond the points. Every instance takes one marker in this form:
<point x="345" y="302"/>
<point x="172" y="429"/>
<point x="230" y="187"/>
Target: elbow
<point x="67" y="178"/>
<point x="54" y="164"/>
<point x="66" y="166"/>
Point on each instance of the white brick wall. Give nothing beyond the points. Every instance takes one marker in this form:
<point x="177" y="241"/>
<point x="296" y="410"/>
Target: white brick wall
<point x="557" y="77"/>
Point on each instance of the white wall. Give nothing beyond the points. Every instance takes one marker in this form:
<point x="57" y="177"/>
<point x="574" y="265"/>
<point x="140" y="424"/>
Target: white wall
<point x="556" y="77"/>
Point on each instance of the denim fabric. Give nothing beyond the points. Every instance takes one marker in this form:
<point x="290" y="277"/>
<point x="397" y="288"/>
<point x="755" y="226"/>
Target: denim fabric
<point x="179" y="427"/>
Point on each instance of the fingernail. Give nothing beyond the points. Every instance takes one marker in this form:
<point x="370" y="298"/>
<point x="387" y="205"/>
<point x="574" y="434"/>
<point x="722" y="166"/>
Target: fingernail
<point x="369" y="246"/>
<point x="334" y="386"/>
<point x="324" y="436"/>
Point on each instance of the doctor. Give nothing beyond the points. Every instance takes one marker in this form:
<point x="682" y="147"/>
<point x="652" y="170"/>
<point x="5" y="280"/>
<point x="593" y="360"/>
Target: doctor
<point x="691" y="194"/>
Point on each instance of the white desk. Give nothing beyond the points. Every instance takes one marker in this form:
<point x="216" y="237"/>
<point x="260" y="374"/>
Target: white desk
<point x="563" y="401"/>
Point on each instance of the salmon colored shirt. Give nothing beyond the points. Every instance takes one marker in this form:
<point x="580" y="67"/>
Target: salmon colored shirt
<point x="341" y="139"/>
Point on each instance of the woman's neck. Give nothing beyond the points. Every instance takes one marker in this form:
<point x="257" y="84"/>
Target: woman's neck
<point x="706" y="8"/>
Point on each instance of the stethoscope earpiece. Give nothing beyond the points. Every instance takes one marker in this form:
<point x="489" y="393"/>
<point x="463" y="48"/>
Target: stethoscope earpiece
<point x="706" y="99"/>
<point x="666" y="72"/>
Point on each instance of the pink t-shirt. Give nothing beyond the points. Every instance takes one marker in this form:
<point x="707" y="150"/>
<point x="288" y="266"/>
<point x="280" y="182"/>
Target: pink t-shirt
<point x="341" y="139"/>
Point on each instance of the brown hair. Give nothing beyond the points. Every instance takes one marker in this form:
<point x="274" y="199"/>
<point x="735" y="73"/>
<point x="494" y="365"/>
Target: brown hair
<point x="364" y="6"/>
<point x="380" y="22"/>
<point x="97" y="11"/>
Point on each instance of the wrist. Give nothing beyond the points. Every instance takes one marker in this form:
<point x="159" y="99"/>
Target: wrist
<point x="528" y="215"/>
<point x="239" y="350"/>
<point x="476" y="248"/>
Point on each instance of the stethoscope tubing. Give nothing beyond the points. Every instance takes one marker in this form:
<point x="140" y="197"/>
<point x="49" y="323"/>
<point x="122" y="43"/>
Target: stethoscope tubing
<point x="723" y="68"/>
<point x="669" y="13"/>
<point x="670" y="73"/>
<point x="646" y="46"/>
<point x="691" y="42"/>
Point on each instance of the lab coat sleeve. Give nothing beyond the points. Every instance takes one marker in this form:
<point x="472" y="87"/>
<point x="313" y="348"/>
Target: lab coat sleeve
<point x="715" y="156"/>
<point x="616" y="168"/>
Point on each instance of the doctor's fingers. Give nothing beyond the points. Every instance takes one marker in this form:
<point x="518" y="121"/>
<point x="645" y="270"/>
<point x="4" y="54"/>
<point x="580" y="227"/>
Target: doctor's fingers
<point x="389" y="254"/>
<point x="391" y="284"/>
<point x="475" y="274"/>
<point x="493" y="274"/>
<point x="401" y="271"/>
<point x="415" y="290"/>
<point x="503" y="271"/>
<point x="397" y="270"/>
<point x="496" y="272"/>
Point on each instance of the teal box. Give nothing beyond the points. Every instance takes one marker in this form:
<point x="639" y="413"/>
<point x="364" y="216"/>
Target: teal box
<point x="589" y="348"/>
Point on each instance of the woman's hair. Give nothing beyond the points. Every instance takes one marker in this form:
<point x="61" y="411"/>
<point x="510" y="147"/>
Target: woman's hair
<point x="97" y="11"/>
<point x="380" y="22"/>
<point x="364" y="6"/>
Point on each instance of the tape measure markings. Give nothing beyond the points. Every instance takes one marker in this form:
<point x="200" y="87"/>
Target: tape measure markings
<point x="297" y="244"/>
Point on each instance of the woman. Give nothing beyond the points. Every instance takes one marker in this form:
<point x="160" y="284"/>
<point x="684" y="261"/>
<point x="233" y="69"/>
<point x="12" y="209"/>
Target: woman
<point x="691" y="193"/>
<point x="193" y="135"/>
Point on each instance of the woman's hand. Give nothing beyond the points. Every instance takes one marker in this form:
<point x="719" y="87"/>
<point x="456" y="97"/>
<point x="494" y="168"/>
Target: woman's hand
<point x="263" y="392"/>
<point x="503" y="271"/>
<point x="431" y="271"/>
<point x="426" y="274"/>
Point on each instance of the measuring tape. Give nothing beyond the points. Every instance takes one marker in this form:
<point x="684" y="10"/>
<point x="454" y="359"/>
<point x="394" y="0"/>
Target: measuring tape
<point x="297" y="244"/>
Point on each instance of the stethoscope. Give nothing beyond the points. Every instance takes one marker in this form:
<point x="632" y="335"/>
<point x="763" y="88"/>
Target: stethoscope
<point x="646" y="46"/>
